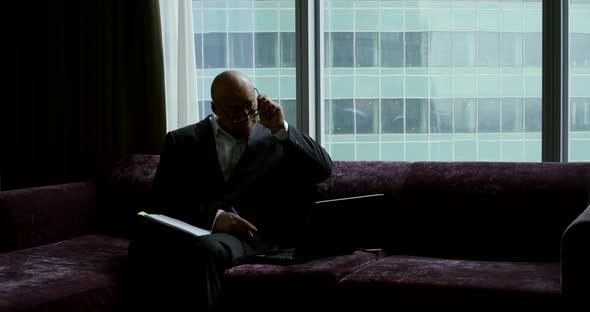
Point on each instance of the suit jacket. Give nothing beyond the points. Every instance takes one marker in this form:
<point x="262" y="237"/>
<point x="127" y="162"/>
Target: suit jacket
<point x="270" y="185"/>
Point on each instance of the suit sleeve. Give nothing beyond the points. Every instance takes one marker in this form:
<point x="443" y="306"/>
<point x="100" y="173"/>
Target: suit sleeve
<point x="178" y="193"/>
<point x="306" y="159"/>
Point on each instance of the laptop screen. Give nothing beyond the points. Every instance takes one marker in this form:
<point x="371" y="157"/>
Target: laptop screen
<point x="342" y="225"/>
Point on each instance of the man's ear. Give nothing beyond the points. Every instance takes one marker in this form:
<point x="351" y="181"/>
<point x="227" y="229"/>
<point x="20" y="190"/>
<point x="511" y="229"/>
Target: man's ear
<point x="214" y="108"/>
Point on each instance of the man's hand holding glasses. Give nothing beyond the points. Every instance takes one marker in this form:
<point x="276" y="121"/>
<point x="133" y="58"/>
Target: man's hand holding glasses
<point x="270" y="113"/>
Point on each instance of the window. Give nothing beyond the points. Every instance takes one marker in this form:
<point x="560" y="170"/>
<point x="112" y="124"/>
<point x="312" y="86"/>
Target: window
<point x="579" y="80"/>
<point x="408" y="80"/>
<point x="433" y="80"/>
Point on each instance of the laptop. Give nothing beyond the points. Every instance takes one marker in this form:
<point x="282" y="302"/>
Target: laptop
<point x="334" y="227"/>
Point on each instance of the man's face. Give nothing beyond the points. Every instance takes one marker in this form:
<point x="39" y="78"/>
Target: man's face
<point x="237" y="112"/>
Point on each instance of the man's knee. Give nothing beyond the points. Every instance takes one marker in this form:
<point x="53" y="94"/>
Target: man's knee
<point x="219" y="247"/>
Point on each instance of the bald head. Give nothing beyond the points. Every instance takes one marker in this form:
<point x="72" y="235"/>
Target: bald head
<point x="230" y="86"/>
<point x="233" y="97"/>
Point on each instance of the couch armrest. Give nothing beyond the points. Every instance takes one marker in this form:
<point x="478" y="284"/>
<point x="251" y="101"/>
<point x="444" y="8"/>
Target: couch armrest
<point x="41" y="215"/>
<point x="575" y="259"/>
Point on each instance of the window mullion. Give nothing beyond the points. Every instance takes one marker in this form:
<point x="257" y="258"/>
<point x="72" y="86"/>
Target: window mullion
<point x="308" y="67"/>
<point x="555" y="81"/>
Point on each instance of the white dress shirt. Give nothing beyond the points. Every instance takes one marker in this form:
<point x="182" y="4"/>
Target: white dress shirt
<point x="229" y="151"/>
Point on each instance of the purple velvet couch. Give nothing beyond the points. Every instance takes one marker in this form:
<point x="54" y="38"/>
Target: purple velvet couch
<point x="453" y="233"/>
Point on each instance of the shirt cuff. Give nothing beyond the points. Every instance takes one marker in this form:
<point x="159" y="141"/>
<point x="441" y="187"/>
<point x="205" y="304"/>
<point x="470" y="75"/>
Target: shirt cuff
<point x="219" y="212"/>
<point x="283" y="135"/>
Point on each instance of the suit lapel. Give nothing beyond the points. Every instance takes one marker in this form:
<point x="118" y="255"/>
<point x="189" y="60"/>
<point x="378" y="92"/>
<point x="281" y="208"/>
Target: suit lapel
<point x="258" y="158"/>
<point x="206" y="146"/>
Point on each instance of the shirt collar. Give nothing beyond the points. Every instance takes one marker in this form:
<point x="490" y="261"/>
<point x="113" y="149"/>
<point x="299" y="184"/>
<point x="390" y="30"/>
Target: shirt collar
<point x="218" y="131"/>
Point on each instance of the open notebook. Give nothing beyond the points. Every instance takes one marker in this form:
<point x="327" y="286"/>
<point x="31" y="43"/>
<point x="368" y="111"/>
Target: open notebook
<point x="175" y="223"/>
<point x="334" y="227"/>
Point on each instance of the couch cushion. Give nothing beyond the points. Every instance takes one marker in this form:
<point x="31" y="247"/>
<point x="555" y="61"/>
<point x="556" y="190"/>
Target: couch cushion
<point x="297" y="284"/>
<point x="79" y="274"/>
<point x="415" y="281"/>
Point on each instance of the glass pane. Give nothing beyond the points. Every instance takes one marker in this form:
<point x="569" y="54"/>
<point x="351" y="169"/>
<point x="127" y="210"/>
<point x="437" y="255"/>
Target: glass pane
<point x="343" y="116"/>
<point x="215" y="50"/>
<point x="464" y="44"/>
<point x="579" y="80"/>
<point x="580" y="116"/>
<point x="416" y="49"/>
<point x="288" y="57"/>
<point x="579" y="47"/>
<point x="441" y="116"/>
<point x="488" y="115"/>
<point x="240" y="50"/>
<point x="464" y="115"/>
<point x="441" y="48"/>
<point x="290" y="111"/>
<point x="367" y="49"/>
<point x="437" y="80"/>
<point x="392" y="49"/>
<point x="366" y="116"/>
<point x="254" y="37"/>
<point x="266" y="45"/>
<point x="532" y="49"/>
<point x="511" y="49"/>
<point x="489" y="49"/>
<point x="512" y="115"/>
<point x="341" y="49"/>
<point x="532" y="115"/>
<point x="199" y="51"/>
<point x="416" y="116"/>
<point x="392" y="116"/>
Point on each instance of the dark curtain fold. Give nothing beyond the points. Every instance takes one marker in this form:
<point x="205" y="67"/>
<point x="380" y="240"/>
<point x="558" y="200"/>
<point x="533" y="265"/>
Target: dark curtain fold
<point x="105" y="94"/>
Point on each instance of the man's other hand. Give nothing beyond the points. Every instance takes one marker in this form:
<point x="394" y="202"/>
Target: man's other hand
<point x="231" y="223"/>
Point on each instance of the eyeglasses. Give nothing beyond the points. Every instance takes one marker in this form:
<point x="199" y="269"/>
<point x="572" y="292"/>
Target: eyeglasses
<point x="249" y="115"/>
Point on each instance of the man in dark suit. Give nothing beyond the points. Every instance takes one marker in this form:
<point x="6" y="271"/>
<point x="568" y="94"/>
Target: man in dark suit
<point x="242" y="172"/>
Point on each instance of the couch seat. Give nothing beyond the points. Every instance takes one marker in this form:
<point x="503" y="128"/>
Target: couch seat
<point x="421" y="281"/>
<point x="292" y="286"/>
<point x="83" y="273"/>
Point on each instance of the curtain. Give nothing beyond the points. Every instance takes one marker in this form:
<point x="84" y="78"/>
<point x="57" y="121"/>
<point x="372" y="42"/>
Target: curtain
<point x="179" y="63"/>
<point x="104" y="95"/>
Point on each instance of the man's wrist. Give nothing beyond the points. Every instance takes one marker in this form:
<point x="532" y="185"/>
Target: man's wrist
<point x="282" y="134"/>
<point x="279" y="128"/>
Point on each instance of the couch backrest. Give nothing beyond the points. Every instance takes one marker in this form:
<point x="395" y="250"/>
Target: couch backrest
<point x="489" y="210"/>
<point x="356" y="178"/>
<point x="127" y="191"/>
<point x="42" y="215"/>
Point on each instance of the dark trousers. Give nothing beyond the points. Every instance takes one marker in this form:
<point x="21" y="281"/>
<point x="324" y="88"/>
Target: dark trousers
<point x="174" y="271"/>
